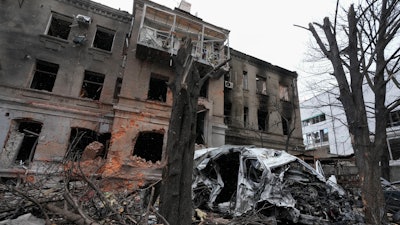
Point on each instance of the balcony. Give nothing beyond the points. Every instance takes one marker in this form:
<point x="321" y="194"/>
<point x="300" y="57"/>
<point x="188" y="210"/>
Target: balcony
<point x="161" y="31"/>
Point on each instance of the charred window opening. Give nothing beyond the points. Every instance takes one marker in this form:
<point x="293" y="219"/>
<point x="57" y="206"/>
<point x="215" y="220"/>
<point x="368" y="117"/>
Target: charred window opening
<point x="149" y="146"/>
<point x="92" y="85"/>
<point x="245" y="116"/>
<point x="82" y="137"/>
<point x="157" y="88"/>
<point x="227" y="113"/>
<point x="204" y="90"/>
<point x="261" y="85"/>
<point x="31" y="131"/>
<point x="60" y="26"/>
<point x="229" y="169"/>
<point x="262" y="120"/>
<point x="285" y="125"/>
<point x="284" y="92"/>
<point x="118" y="85"/>
<point x="45" y="75"/>
<point x="200" y="136"/>
<point x="104" y="38"/>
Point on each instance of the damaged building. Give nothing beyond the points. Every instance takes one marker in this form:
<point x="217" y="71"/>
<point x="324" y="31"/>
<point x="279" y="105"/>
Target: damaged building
<point x="261" y="104"/>
<point x="61" y="65"/>
<point x="74" y="71"/>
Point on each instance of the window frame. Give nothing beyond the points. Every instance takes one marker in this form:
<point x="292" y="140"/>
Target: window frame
<point x="103" y="30"/>
<point x="86" y="81"/>
<point x="37" y="73"/>
<point x="62" y="17"/>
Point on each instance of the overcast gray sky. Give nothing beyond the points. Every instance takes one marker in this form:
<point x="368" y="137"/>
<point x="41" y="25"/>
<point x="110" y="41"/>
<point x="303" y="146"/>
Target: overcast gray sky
<point x="261" y="28"/>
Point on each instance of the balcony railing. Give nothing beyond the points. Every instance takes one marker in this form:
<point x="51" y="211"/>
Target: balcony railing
<point x="163" y="30"/>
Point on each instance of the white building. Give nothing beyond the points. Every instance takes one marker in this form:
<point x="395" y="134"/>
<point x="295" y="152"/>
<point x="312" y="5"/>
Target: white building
<point x="324" y="124"/>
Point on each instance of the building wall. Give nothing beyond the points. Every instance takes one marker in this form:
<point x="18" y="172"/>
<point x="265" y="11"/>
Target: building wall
<point x="25" y="39"/>
<point x="245" y="129"/>
<point x="328" y="104"/>
<point x="26" y="42"/>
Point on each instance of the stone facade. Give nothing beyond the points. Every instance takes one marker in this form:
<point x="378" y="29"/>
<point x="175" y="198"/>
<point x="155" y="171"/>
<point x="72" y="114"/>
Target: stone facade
<point x="75" y="71"/>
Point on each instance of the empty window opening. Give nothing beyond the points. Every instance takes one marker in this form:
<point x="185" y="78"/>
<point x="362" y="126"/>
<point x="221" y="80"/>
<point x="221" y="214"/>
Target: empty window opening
<point x="284" y="92"/>
<point x="200" y="134"/>
<point x="285" y="125"/>
<point x="262" y="120"/>
<point x="149" y="146"/>
<point x="21" y="143"/>
<point x="157" y="88"/>
<point x="228" y="169"/>
<point x="44" y="76"/>
<point x="245" y="81"/>
<point x="245" y="117"/>
<point x="227" y="113"/>
<point x="204" y="90"/>
<point x="104" y="38"/>
<point x="31" y="131"/>
<point x="82" y="137"/>
<point x="118" y="85"/>
<point x="92" y="85"/>
<point x="60" y="26"/>
<point x="261" y="85"/>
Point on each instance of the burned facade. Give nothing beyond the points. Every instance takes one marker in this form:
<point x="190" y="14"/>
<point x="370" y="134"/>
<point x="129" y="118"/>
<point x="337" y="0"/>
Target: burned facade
<point x="61" y="62"/>
<point x="261" y="105"/>
<point x="75" y="71"/>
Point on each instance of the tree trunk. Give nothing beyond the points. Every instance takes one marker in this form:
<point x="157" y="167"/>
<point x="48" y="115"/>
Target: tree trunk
<point x="175" y="195"/>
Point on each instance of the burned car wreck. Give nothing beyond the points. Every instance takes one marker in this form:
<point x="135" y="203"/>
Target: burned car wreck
<point x="238" y="180"/>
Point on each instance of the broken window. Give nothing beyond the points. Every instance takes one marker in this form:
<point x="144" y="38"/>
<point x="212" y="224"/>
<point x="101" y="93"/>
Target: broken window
<point x="104" y="38"/>
<point x="157" y="88"/>
<point x="59" y="26"/>
<point x="21" y="143"/>
<point x="245" y="81"/>
<point x="118" y="85"/>
<point x="227" y="112"/>
<point x="200" y="136"/>
<point x="44" y="76"/>
<point x="81" y="137"/>
<point x="262" y="120"/>
<point x="284" y="92"/>
<point x="31" y="131"/>
<point x="92" y="85"/>
<point x="285" y="125"/>
<point x="149" y="145"/>
<point x="245" y="116"/>
<point x="261" y="85"/>
<point x="204" y="90"/>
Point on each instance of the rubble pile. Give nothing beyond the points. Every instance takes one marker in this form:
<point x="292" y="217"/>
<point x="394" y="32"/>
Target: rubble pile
<point x="54" y="204"/>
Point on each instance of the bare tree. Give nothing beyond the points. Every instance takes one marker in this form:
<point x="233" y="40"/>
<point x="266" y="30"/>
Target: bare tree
<point x="175" y="195"/>
<point x="369" y="58"/>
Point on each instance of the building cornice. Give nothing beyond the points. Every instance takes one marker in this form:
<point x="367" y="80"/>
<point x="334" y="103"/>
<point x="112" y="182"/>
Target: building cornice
<point x="100" y="9"/>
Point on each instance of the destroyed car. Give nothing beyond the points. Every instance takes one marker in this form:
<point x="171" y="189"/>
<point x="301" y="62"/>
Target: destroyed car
<point x="236" y="180"/>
